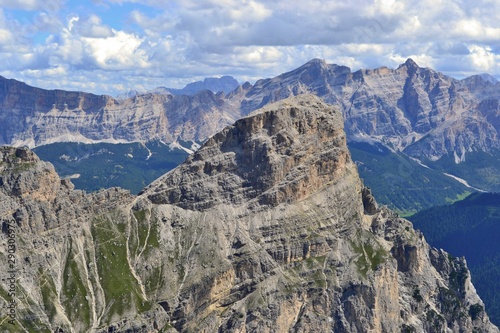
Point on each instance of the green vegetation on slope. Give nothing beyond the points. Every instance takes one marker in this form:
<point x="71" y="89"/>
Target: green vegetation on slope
<point x="49" y="293"/>
<point x="75" y="295"/>
<point x="470" y="228"/>
<point x="480" y="169"/>
<point x="370" y="253"/>
<point x="102" y="165"/>
<point x="121" y="288"/>
<point x="402" y="183"/>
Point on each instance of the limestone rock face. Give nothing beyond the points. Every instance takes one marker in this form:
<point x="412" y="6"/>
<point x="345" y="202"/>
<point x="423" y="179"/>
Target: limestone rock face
<point x="267" y="228"/>
<point x="31" y="117"/>
<point x="269" y="157"/>
<point x="418" y="110"/>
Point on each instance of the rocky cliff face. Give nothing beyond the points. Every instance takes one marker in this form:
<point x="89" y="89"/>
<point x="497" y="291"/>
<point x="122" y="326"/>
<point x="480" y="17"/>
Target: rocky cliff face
<point x="267" y="228"/>
<point x="31" y="117"/>
<point x="414" y="109"/>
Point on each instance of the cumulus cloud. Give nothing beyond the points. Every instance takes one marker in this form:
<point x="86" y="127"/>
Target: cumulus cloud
<point x="128" y="44"/>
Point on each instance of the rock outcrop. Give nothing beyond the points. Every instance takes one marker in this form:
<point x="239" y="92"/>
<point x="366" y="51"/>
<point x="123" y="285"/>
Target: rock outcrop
<point x="267" y="228"/>
<point x="271" y="156"/>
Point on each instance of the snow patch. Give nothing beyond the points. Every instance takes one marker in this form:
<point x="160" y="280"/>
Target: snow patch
<point x="195" y="146"/>
<point x="149" y="151"/>
<point x="419" y="162"/>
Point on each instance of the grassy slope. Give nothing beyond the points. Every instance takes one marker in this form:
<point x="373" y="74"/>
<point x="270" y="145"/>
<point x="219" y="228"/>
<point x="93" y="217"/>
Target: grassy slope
<point x="400" y="182"/>
<point x="106" y="165"/>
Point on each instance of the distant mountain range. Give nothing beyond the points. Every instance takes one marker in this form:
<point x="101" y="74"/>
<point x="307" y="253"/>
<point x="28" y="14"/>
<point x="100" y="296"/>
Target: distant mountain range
<point x="225" y="84"/>
<point x="412" y="111"/>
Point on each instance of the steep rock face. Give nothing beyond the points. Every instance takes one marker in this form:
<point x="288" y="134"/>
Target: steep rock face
<point x="32" y="117"/>
<point x="415" y="109"/>
<point x="290" y="244"/>
<point x="270" y="156"/>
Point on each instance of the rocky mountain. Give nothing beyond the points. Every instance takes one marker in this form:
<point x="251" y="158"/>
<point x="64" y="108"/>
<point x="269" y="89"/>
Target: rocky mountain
<point x="416" y="110"/>
<point x="266" y="228"/>
<point x="412" y="109"/>
<point x="31" y="117"/>
<point x="226" y="84"/>
<point x="443" y="124"/>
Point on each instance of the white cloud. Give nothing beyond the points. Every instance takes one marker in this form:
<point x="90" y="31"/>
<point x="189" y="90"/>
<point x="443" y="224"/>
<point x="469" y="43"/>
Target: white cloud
<point x="91" y="27"/>
<point x="128" y="43"/>
<point x="6" y="36"/>
<point x="482" y="58"/>
<point x="118" y="52"/>
<point x="475" y="29"/>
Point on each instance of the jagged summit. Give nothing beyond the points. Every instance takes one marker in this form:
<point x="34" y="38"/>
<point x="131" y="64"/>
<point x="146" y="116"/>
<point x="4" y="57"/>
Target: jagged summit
<point x="315" y="62"/>
<point x="283" y="152"/>
<point x="409" y="64"/>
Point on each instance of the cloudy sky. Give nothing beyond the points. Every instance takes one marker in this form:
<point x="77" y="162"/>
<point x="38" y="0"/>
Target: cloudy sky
<point x="112" y="46"/>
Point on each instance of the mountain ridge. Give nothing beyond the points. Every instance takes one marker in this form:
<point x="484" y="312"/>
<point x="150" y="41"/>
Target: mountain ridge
<point x="225" y="84"/>
<point x="408" y="124"/>
<point x="410" y="108"/>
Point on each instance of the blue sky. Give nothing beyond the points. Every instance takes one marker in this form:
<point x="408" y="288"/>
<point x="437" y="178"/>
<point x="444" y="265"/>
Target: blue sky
<point x="112" y="46"/>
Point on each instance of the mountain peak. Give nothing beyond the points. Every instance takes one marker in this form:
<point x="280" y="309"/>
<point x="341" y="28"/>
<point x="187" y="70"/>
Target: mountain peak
<point x="410" y="64"/>
<point x="317" y="61"/>
<point x="281" y="153"/>
<point x="488" y="78"/>
<point x="314" y="63"/>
